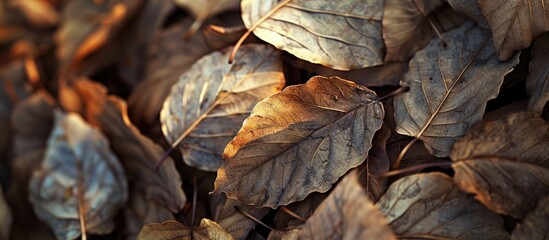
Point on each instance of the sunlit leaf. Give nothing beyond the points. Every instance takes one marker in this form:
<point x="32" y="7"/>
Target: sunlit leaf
<point x="168" y="230"/>
<point x="342" y="35"/>
<point x="210" y="101"/>
<point x="299" y="141"/>
<point x="79" y="173"/>
<point x="505" y="163"/>
<point x="445" y="82"/>
<point x="430" y="206"/>
<point x="537" y="82"/>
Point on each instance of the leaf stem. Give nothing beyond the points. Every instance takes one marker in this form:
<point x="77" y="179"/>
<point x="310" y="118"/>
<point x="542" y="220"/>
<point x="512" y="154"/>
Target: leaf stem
<point x="253" y="27"/>
<point x="394" y="93"/>
<point x="403" y="152"/>
<point x="293" y="214"/>
<point x="416" y="168"/>
<point x="253" y="218"/>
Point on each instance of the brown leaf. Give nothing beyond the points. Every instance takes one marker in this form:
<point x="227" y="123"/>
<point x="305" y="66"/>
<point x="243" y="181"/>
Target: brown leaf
<point x="40" y="13"/>
<point x="430" y="206"/>
<point x="155" y="194"/>
<point x="299" y="141"/>
<point x="352" y="41"/>
<point x="444" y="97"/>
<point x="515" y="24"/>
<point x="235" y="223"/>
<point x="347" y="213"/>
<point x="167" y="58"/>
<point x="174" y="230"/>
<point x="409" y="25"/>
<point x="208" y="104"/>
<point x="537" y="83"/>
<point x="5" y="217"/>
<point x="303" y="209"/>
<point x="471" y="9"/>
<point x="376" y="165"/>
<point x="536" y="224"/>
<point x="505" y="163"/>
<point x="202" y="10"/>
<point x="284" y="235"/>
<point x="79" y="173"/>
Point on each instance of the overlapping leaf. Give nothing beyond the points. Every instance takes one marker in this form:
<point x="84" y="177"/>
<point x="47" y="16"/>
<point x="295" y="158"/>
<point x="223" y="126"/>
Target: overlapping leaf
<point x="471" y="9"/>
<point x="79" y="173"/>
<point x="208" y="104"/>
<point x="430" y="206"/>
<point x="536" y="224"/>
<point x="234" y="222"/>
<point x="537" y="82"/>
<point x="304" y="209"/>
<point x="299" y="141"/>
<point x="445" y="95"/>
<point x="515" y="24"/>
<point x="347" y="213"/>
<point x="342" y="35"/>
<point x="168" y="230"/>
<point x="505" y="163"/>
<point x="202" y="10"/>
<point x="409" y="25"/>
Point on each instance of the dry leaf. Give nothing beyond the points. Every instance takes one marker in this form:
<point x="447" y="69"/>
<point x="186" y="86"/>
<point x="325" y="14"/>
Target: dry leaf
<point x="444" y="97"/>
<point x="537" y="83"/>
<point x="471" y="9"/>
<point x="39" y="13"/>
<point x="208" y="104"/>
<point x="78" y="161"/>
<point x="299" y="141"/>
<point x="342" y="35"/>
<point x="347" y="213"/>
<point x="284" y="235"/>
<point x="536" y="224"/>
<point x="167" y="58"/>
<point x="303" y="209"/>
<point x="5" y="217"/>
<point x="376" y="165"/>
<point x="174" y="230"/>
<point x="204" y="9"/>
<point x="430" y="206"/>
<point x="234" y="222"/>
<point x="155" y="195"/>
<point x="515" y="24"/>
<point x="409" y="25"/>
<point x="505" y="163"/>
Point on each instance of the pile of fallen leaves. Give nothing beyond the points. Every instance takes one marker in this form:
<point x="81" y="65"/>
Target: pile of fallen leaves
<point x="351" y="119"/>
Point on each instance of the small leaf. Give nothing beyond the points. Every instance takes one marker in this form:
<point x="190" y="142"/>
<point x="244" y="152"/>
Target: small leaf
<point x="515" y="24"/>
<point x="409" y="25"/>
<point x="299" y="141"/>
<point x="430" y="206"/>
<point x="235" y="223"/>
<point x="536" y="224"/>
<point x="208" y="104"/>
<point x="445" y="83"/>
<point x="78" y="161"/>
<point x="174" y="230"/>
<point x="347" y="213"/>
<point x="537" y="82"/>
<point x="353" y="39"/>
<point x="505" y="163"/>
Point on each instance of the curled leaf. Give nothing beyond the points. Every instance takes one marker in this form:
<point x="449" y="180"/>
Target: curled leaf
<point x="353" y="39"/>
<point x="168" y="230"/>
<point x="78" y="163"/>
<point x="430" y="206"/>
<point x="505" y="163"/>
<point x="207" y="106"/>
<point x="299" y="141"/>
<point x="537" y="82"/>
<point x="444" y="98"/>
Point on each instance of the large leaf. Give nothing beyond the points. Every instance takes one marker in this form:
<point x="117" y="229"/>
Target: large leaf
<point x="299" y="141"/>
<point x="347" y="213"/>
<point x="353" y="39"/>
<point x="410" y="24"/>
<point x="169" y="230"/>
<point x="208" y="104"/>
<point x="79" y="173"/>
<point x="505" y="163"/>
<point x="536" y="224"/>
<point x="234" y="222"/>
<point x="155" y="195"/>
<point x="430" y="206"/>
<point x="444" y="97"/>
<point x="515" y="24"/>
<point x="537" y="82"/>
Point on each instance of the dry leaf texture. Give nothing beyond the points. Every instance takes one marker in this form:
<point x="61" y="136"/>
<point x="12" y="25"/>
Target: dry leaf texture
<point x="536" y="223"/>
<point x="234" y="222"/>
<point x="169" y="230"/>
<point x="208" y="104"/>
<point x="342" y="35"/>
<point x="430" y="206"/>
<point x="299" y="141"/>
<point x="537" y="82"/>
<point x="78" y="161"/>
<point x="515" y="24"/>
<point x="505" y="163"/>
<point x="445" y="98"/>
<point x="471" y="9"/>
